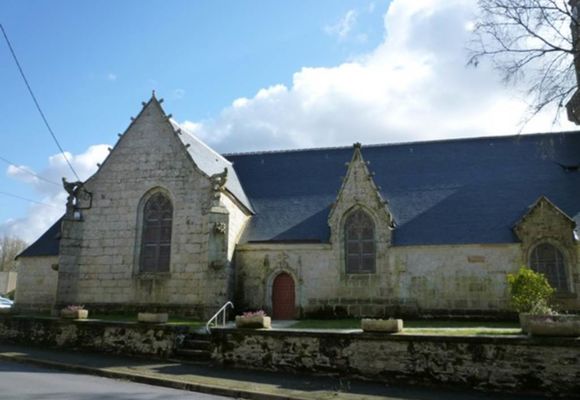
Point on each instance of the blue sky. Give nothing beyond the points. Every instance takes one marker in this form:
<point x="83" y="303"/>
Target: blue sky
<point x="242" y="75"/>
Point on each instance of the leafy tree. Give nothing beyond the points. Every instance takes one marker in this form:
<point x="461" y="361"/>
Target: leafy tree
<point x="529" y="42"/>
<point x="529" y="290"/>
<point x="10" y="247"/>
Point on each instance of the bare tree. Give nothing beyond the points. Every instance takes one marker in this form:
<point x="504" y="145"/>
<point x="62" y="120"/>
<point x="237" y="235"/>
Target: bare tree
<point x="10" y="247"/>
<point x="529" y="42"/>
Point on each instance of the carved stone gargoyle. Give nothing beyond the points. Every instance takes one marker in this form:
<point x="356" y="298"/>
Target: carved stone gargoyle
<point x="78" y="198"/>
<point x="72" y="188"/>
<point x="218" y="182"/>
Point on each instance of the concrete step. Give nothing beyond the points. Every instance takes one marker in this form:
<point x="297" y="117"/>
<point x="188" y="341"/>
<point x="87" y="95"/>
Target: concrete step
<point x="196" y="344"/>
<point x="194" y="354"/>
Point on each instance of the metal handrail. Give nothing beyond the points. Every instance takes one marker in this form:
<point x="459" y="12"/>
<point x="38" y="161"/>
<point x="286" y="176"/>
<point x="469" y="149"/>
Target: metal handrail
<point x="223" y="310"/>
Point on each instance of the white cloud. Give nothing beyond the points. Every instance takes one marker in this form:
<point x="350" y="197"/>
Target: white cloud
<point x="414" y="86"/>
<point x="52" y="196"/>
<point x="111" y="77"/>
<point x="178" y="94"/>
<point x="343" y="27"/>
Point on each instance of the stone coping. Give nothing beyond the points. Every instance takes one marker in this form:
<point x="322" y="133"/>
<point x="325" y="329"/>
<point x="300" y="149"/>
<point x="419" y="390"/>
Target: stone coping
<point x="402" y="337"/>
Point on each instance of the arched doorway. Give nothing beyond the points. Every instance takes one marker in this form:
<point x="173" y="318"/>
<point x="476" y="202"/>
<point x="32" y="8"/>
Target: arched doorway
<point x="283" y="297"/>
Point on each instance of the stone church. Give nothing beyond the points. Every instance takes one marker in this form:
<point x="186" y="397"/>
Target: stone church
<point x="425" y="228"/>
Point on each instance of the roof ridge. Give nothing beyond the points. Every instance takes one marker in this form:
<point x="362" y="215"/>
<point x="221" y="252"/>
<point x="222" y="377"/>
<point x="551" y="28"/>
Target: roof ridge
<point x="512" y="136"/>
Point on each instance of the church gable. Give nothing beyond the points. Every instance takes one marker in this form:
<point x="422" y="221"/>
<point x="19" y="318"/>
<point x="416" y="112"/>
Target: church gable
<point x="358" y="191"/>
<point x="544" y="220"/>
<point x="548" y="244"/>
<point x="149" y="147"/>
<point x="159" y="228"/>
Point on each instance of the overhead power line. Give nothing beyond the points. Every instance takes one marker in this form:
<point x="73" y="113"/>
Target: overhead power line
<point x="28" y="171"/>
<point x="25" y="199"/>
<point x="36" y="101"/>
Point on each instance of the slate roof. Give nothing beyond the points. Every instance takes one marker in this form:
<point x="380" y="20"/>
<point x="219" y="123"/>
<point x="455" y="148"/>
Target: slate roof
<point x="441" y="192"/>
<point x="46" y="245"/>
<point x="462" y="191"/>
<point x="211" y="163"/>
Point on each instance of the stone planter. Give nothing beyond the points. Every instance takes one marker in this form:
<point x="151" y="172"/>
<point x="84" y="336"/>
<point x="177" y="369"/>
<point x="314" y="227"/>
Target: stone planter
<point x="554" y="325"/>
<point x="253" y="322"/>
<point x="153" y="318"/>
<point x="382" y="325"/>
<point x="74" y="314"/>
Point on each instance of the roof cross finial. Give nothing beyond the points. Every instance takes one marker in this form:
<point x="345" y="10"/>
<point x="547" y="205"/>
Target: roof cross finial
<point x="153" y="93"/>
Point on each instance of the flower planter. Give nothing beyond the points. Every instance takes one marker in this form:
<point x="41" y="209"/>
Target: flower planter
<point x="74" y="314"/>
<point x="253" y="322"/>
<point x="382" y="325"/>
<point x="554" y="325"/>
<point x="153" y="318"/>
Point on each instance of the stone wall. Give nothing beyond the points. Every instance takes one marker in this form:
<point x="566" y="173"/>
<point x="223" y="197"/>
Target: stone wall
<point x="548" y="366"/>
<point x="458" y="279"/>
<point x="36" y="283"/>
<point x="108" y="337"/>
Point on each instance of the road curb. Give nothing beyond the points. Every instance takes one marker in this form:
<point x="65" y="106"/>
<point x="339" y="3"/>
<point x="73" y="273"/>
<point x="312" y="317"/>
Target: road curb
<point x="152" y="380"/>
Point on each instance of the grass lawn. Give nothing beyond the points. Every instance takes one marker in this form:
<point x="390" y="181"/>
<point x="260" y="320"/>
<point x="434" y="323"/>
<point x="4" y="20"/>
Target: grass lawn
<point x="411" y="327"/>
<point x="427" y="327"/>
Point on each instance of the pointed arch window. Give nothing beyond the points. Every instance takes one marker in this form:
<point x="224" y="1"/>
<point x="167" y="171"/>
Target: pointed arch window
<point x="360" y="243"/>
<point x="156" y="236"/>
<point x="548" y="260"/>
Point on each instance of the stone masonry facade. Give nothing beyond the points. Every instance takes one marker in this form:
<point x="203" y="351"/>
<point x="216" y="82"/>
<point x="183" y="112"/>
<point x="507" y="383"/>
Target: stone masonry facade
<point x="100" y="242"/>
<point x="472" y="277"/>
<point x="99" y="252"/>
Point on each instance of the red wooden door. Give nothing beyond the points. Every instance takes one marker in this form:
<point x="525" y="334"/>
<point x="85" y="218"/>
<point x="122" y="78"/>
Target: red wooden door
<point x="283" y="298"/>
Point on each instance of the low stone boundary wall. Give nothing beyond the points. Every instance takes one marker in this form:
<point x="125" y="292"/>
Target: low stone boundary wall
<point x="548" y="366"/>
<point x="101" y="336"/>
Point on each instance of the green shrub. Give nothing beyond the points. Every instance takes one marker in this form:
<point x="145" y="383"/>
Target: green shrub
<point x="529" y="290"/>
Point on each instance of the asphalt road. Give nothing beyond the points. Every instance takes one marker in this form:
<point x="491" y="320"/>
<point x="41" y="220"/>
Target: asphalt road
<point x="27" y="382"/>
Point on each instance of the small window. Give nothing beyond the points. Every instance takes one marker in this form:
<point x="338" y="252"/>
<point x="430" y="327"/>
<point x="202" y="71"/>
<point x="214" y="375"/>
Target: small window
<point x="156" y="236"/>
<point x="360" y="243"/>
<point x="548" y="260"/>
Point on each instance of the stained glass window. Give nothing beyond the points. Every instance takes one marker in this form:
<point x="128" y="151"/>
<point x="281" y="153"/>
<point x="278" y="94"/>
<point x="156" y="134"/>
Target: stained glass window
<point x="548" y="260"/>
<point x="360" y="243"/>
<point x="156" y="237"/>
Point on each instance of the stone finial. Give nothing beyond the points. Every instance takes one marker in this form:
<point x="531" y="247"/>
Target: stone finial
<point x="357" y="145"/>
<point x="153" y="96"/>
